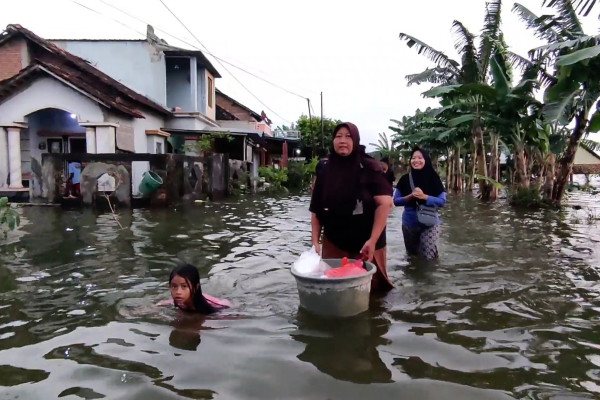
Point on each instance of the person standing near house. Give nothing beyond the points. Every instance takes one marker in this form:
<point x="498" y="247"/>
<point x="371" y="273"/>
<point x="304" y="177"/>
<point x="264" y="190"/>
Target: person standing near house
<point x="74" y="179"/>
<point x="350" y="204"/>
<point x="427" y="189"/>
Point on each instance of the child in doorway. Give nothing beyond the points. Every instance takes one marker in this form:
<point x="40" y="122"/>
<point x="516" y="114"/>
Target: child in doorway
<point x="74" y="180"/>
<point x="186" y="293"/>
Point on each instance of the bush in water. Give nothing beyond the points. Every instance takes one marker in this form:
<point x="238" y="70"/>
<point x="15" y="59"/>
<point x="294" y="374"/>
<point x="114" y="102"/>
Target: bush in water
<point x="9" y="218"/>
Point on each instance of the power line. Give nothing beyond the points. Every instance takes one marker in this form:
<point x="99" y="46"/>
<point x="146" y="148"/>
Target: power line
<point x="108" y="16"/>
<point x="206" y="50"/>
<point x="191" y="45"/>
<point x="233" y="76"/>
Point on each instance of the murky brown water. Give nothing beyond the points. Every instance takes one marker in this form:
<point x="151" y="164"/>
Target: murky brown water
<point x="511" y="310"/>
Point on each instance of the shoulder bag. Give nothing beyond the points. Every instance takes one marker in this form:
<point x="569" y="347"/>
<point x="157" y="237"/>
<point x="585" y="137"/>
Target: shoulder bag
<point x="426" y="215"/>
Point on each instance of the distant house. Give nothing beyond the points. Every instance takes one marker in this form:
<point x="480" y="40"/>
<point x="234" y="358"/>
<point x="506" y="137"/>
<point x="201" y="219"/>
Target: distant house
<point x="586" y="162"/>
<point x="107" y="97"/>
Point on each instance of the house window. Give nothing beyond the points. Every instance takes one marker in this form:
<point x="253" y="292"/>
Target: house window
<point x="211" y="90"/>
<point x="159" y="148"/>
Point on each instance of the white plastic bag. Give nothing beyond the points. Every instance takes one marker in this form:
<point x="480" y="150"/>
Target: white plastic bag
<point x="310" y="263"/>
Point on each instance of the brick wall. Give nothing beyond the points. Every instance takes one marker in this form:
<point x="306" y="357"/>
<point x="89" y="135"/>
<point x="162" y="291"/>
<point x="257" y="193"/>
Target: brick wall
<point x="11" y="61"/>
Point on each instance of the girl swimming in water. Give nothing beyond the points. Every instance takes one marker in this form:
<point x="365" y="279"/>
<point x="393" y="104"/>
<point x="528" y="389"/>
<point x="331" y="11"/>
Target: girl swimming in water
<point x="186" y="292"/>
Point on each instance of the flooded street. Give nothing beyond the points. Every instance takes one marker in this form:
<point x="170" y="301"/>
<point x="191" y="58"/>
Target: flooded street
<point x="510" y="310"/>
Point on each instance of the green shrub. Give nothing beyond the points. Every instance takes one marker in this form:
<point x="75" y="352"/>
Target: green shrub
<point x="529" y="197"/>
<point x="296" y="175"/>
<point x="9" y="218"/>
<point x="274" y="177"/>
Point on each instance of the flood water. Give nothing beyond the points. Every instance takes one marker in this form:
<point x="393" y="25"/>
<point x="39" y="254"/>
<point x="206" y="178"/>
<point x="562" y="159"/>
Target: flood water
<point x="511" y="310"/>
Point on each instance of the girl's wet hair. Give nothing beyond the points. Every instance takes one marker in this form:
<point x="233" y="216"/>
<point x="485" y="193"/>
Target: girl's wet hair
<point x="191" y="275"/>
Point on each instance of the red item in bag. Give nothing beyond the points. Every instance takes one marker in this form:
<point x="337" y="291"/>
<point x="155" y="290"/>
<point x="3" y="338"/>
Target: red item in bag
<point x="347" y="269"/>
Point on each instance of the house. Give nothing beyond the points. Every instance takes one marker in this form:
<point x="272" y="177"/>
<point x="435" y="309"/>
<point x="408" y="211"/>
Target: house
<point x="198" y="107"/>
<point x="99" y="97"/>
<point x="54" y="101"/>
<point x="267" y="145"/>
<point x="586" y="162"/>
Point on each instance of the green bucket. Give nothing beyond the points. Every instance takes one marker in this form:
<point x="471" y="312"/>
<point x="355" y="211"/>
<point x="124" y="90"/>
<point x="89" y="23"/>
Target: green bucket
<point x="150" y="183"/>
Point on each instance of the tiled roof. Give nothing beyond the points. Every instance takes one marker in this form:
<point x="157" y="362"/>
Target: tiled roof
<point x="78" y="72"/>
<point x="223" y="106"/>
<point x="28" y="75"/>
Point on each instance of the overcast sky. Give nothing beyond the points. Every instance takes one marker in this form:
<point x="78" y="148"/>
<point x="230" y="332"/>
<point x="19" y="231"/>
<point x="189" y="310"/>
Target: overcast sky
<point x="349" y="50"/>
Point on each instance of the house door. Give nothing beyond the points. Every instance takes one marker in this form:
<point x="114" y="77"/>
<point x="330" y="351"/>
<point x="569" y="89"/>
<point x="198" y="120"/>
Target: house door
<point x="77" y="146"/>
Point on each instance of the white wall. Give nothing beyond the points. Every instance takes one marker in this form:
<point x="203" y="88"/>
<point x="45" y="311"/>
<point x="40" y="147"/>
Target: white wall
<point x="153" y="140"/>
<point x="584" y="157"/>
<point x="202" y="100"/>
<point x="140" y="125"/>
<point x="136" y="64"/>
<point x="49" y="93"/>
<point x="187" y="122"/>
<point x="241" y="125"/>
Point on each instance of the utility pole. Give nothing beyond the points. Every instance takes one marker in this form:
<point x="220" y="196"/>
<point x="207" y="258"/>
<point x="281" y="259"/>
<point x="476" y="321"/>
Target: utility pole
<point x="312" y="135"/>
<point x="322" y="126"/>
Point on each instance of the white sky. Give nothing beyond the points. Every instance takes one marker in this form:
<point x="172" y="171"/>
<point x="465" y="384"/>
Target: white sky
<point x="347" y="49"/>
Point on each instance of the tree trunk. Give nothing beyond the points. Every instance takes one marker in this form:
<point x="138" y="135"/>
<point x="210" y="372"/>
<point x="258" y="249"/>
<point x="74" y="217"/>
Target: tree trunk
<point x="494" y="165"/>
<point x="565" y="165"/>
<point x="521" y="180"/>
<point x="549" y="178"/>
<point x="528" y="167"/>
<point x="471" y="175"/>
<point x="481" y="161"/>
<point x="448" y="168"/>
<point x="457" y="176"/>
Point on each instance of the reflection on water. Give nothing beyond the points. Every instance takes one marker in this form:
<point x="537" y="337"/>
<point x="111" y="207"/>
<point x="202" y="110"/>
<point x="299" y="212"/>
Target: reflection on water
<point x="345" y="349"/>
<point x="511" y="310"/>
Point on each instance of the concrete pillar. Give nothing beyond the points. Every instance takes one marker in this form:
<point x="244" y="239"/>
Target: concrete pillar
<point x="3" y="158"/>
<point x="244" y="151"/>
<point x="90" y="139"/>
<point x="105" y="140"/>
<point x="14" y="157"/>
<point x="194" y="83"/>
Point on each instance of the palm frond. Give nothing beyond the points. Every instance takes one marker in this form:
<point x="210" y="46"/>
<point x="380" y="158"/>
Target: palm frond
<point x="552" y="49"/>
<point x="560" y="110"/>
<point x="489" y="33"/>
<point x="519" y="61"/>
<point x="432" y="75"/>
<point x="526" y="65"/>
<point x="465" y="46"/>
<point x="590" y="145"/>
<point x="570" y="21"/>
<point x="543" y="26"/>
<point x="439" y="58"/>
<point x="585" y="6"/>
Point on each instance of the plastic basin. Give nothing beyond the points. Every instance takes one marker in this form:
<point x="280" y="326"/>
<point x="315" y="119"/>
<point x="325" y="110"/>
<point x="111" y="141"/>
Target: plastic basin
<point x="339" y="297"/>
<point x="150" y="183"/>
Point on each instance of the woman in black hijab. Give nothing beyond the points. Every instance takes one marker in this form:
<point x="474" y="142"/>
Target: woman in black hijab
<point x="427" y="189"/>
<point x="350" y="203"/>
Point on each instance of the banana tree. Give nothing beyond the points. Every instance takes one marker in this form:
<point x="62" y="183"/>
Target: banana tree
<point x="430" y="130"/>
<point x="581" y="6"/>
<point x="507" y="112"/>
<point x="385" y="146"/>
<point x="575" y="58"/>
<point x="473" y="68"/>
